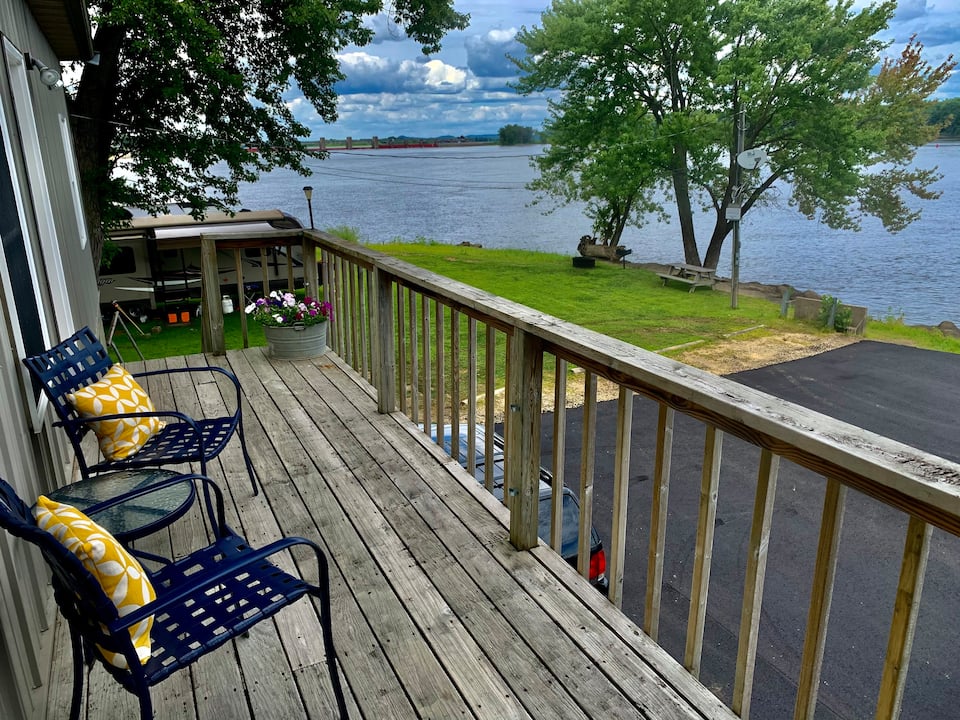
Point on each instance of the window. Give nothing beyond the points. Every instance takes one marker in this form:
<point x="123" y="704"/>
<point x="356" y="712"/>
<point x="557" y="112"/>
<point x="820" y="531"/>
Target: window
<point x="18" y="265"/>
<point x="123" y="263"/>
<point x="70" y="158"/>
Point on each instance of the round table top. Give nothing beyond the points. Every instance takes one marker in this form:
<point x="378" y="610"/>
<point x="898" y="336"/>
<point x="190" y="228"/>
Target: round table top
<point x="138" y="516"/>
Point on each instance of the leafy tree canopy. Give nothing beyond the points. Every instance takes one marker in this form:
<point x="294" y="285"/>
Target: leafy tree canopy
<point x="945" y="114"/>
<point x="517" y="135"/>
<point x="186" y="85"/>
<point x="651" y="89"/>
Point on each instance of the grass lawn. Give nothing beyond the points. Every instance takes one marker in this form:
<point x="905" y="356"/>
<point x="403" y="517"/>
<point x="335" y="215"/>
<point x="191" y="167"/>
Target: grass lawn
<point x="630" y="304"/>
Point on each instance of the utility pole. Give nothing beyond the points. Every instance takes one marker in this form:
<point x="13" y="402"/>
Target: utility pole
<point x="735" y="215"/>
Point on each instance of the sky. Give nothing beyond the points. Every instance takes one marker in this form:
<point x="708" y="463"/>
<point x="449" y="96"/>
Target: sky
<point x="392" y="89"/>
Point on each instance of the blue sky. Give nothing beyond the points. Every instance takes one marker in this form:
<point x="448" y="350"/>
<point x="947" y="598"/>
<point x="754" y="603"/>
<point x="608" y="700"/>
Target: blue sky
<point x="393" y="89"/>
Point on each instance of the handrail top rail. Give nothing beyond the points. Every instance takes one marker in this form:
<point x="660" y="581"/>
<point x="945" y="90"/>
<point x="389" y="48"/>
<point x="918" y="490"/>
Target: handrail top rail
<point x="897" y="474"/>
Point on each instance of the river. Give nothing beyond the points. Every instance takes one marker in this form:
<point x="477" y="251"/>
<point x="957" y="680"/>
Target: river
<point x="478" y="194"/>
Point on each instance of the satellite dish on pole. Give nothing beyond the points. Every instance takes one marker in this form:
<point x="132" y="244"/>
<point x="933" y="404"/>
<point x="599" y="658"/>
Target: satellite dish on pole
<point x="752" y="159"/>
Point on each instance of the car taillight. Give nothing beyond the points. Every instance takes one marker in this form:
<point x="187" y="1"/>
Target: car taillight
<point x="598" y="564"/>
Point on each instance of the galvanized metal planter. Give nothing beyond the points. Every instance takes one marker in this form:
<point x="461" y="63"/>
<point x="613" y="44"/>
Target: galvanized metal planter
<point x="296" y="341"/>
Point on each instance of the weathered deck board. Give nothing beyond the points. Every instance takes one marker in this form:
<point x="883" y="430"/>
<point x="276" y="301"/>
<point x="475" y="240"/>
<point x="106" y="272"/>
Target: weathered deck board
<point x="435" y="614"/>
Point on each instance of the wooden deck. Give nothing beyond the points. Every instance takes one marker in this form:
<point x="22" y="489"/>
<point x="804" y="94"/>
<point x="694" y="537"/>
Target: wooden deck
<point x="436" y="615"/>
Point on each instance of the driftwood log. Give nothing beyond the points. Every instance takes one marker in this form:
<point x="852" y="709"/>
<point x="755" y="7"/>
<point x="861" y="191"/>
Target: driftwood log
<point x="588" y="247"/>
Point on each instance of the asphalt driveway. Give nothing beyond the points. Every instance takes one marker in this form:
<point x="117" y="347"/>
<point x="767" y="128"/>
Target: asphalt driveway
<point x="906" y="394"/>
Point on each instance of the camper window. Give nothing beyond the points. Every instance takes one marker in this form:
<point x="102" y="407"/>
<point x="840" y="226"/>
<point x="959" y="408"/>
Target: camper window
<point x="123" y="263"/>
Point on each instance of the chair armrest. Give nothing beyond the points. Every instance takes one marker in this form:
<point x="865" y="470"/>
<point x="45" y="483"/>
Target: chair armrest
<point x="207" y="368"/>
<point x="121" y="416"/>
<point x="229" y="566"/>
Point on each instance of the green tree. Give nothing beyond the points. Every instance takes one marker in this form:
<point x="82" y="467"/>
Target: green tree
<point x="183" y="86"/>
<point x="516" y="135"/>
<point x="945" y="114"/>
<point x="661" y="82"/>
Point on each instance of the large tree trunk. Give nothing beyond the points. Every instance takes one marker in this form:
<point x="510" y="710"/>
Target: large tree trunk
<point x="721" y="230"/>
<point x="681" y="188"/>
<point x="93" y="115"/>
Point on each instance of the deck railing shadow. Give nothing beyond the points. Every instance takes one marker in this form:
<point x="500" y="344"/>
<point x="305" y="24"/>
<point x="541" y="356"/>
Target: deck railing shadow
<point x="445" y="354"/>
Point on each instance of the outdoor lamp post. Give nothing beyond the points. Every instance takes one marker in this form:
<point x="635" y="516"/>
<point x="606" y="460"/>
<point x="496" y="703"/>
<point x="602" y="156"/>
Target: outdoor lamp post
<point x="308" y="194"/>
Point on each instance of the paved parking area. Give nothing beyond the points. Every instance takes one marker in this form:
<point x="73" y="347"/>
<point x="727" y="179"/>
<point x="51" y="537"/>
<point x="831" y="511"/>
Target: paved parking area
<point x="904" y="393"/>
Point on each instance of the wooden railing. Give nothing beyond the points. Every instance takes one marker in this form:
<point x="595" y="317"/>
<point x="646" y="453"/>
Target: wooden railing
<point x="212" y="329"/>
<point x="440" y="352"/>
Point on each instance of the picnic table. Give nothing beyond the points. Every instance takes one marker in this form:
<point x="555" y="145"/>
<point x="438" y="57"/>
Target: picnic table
<point x="693" y="275"/>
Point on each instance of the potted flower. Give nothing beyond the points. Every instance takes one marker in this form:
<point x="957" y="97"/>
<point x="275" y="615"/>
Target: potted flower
<point x="293" y="328"/>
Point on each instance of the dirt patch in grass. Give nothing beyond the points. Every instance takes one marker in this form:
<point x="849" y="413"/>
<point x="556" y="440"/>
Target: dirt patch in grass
<point x="749" y="353"/>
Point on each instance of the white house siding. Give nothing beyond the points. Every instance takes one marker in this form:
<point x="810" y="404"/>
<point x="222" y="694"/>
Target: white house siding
<point x="37" y="188"/>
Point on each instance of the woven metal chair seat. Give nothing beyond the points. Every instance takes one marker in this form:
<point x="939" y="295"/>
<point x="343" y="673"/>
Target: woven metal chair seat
<point x="82" y="359"/>
<point x="204" y="600"/>
<point x="180" y="440"/>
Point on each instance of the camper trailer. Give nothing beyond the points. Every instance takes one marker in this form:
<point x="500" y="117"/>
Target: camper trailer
<point x="157" y="258"/>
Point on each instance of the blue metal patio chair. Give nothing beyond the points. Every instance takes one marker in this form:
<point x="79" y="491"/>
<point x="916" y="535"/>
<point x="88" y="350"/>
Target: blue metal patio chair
<point x="82" y="359"/>
<point x="203" y="600"/>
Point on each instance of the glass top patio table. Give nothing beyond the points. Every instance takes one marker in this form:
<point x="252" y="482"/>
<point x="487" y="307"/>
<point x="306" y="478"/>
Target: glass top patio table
<point x="136" y="517"/>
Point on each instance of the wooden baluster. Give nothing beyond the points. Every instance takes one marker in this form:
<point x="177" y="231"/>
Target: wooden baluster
<point x="559" y="454"/>
<point x="489" y="405"/>
<point x="821" y="595"/>
<point x="311" y="280"/>
<point x="211" y="324"/>
<point x="290" y="280"/>
<point x="342" y="312"/>
<point x="703" y="555"/>
<point x="427" y="386"/>
<point x="354" y="358"/>
<point x="367" y="305"/>
<point x="753" y="586"/>
<point x="906" y="607"/>
<point x="401" y="340"/>
<point x="328" y="296"/>
<point x="472" y="396"/>
<point x="441" y="378"/>
<point x="414" y="358"/>
<point x="658" y="521"/>
<point x="384" y="333"/>
<point x="523" y="447"/>
<point x="587" y="461"/>
<point x="621" y="485"/>
<point x="264" y="272"/>
<point x="507" y="420"/>
<point x="455" y="381"/>
<point x="241" y="300"/>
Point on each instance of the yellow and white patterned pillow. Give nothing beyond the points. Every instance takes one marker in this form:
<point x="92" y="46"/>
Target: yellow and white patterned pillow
<point x="119" y="573"/>
<point x="117" y="392"/>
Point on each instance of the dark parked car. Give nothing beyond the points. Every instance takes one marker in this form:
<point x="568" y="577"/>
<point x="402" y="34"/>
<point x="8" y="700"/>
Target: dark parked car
<point x="571" y="506"/>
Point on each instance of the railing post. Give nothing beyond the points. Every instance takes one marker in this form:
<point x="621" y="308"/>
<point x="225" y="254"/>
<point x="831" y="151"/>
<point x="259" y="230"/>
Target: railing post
<point x="384" y="336"/>
<point x="211" y="320"/>
<point x="523" y="442"/>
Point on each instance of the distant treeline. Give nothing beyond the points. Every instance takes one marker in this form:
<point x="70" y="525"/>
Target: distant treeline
<point x="518" y="135"/>
<point x="948" y="111"/>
